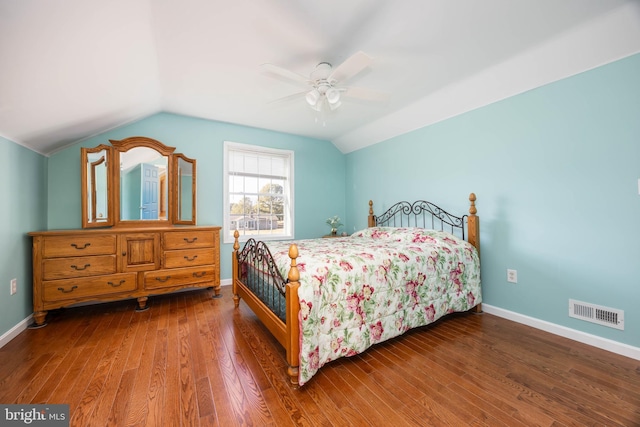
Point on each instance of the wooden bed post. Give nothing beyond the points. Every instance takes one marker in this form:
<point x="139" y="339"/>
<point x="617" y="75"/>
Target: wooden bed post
<point x="473" y="224"/>
<point x="234" y="267"/>
<point x="372" y="220"/>
<point x="473" y="230"/>
<point x="293" y="321"/>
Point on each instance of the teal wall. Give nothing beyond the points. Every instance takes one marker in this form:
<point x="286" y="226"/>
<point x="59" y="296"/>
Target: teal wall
<point x="315" y="199"/>
<point x="23" y="192"/>
<point x="556" y="174"/>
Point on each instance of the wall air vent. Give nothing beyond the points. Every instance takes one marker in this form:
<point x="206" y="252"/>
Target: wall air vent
<point x="597" y="314"/>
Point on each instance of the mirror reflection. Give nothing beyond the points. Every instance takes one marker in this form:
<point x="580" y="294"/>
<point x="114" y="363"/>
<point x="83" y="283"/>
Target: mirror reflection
<point x="185" y="190"/>
<point x="97" y="187"/>
<point x="143" y="185"/>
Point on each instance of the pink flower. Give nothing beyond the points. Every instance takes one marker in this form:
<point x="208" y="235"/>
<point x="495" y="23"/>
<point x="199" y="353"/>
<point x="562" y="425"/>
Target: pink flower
<point x="450" y="241"/>
<point x="471" y="300"/>
<point x="314" y="359"/>
<point x="430" y="313"/>
<point x="410" y="286"/>
<point x="377" y="234"/>
<point x="350" y="352"/>
<point x="376" y="331"/>
<point x="367" y="291"/>
<point x="403" y="257"/>
<point x="305" y="309"/>
<point x="353" y="301"/>
<point x="346" y="266"/>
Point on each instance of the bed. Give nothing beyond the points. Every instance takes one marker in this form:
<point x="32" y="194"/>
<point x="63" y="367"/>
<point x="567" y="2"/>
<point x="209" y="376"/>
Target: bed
<point x="327" y="298"/>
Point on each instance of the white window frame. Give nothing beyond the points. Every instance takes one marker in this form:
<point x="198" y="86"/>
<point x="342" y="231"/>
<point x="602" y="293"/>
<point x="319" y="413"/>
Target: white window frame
<point x="288" y="192"/>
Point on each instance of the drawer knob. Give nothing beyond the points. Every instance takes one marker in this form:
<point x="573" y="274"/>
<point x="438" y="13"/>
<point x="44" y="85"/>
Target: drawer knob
<point x="186" y="239"/>
<point x="163" y="279"/>
<point x="114" y="285"/>
<point x="75" y="267"/>
<point x="200" y="274"/>
<point x="66" y="292"/>
<point x="83" y="246"/>
<point x="191" y="259"/>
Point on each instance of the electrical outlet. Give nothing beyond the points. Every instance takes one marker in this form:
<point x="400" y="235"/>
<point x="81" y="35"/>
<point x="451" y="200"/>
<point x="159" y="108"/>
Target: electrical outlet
<point x="512" y="276"/>
<point x="14" y="286"/>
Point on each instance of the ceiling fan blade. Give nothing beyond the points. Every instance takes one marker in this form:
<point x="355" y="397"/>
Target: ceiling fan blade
<point x="350" y="67"/>
<point x="293" y="96"/>
<point x="364" y="93"/>
<point x="283" y="72"/>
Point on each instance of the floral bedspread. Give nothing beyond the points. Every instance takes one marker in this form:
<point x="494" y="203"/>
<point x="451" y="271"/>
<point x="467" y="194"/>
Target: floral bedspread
<point x="375" y="285"/>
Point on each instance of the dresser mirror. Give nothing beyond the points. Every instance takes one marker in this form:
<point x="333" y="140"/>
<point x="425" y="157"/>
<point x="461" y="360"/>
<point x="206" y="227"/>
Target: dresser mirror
<point x="97" y="211"/>
<point x="137" y="181"/>
<point x="186" y="189"/>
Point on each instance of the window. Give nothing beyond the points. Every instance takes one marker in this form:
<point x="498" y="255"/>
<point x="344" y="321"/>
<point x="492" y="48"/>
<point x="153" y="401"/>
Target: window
<point x="258" y="192"/>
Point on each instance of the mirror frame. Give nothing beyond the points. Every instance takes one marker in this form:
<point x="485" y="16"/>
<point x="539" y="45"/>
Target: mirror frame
<point x="177" y="191"/>
<point x="113" y="154"/>
<point x="84" y="182"/>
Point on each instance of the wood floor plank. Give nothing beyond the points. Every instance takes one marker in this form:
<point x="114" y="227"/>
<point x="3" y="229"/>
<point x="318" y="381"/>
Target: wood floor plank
<point x="90" y="387"/>
<point x="191" y="360"/>
<point x="223" y="413"/>
<point x="232" y="382"/>
<point x="118" y="414"/>
<point x="172" y="376"/>
<point x="126" y="333"/>
<point x="287" y="403"/>
<point x="252" y="375"/>
<point x="138" y="407"/>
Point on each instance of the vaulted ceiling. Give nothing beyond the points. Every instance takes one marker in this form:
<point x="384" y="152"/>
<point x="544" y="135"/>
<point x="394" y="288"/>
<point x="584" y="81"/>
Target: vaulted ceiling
<point x="71" y="69"/>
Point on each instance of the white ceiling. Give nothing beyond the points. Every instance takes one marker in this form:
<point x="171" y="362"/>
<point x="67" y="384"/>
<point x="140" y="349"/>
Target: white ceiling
<point x="70" y="69"/>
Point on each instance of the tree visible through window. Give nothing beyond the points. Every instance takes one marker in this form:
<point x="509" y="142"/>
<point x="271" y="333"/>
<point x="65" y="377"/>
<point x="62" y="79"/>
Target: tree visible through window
<point x="258" y="189"/>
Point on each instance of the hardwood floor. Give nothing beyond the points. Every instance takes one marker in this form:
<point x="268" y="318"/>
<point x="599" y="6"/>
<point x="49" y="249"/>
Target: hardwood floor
<point x="191" y="360"/>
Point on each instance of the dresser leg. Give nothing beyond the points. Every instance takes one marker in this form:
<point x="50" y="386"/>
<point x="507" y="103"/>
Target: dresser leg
<point x="38" y="318"/>
<point x="216" y="290"/>
<point x="142" y="304"/>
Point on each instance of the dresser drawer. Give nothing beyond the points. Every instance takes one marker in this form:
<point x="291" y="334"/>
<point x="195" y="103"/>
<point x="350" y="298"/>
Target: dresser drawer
<point x="59" y="290"/>
<point x="66" y="268"/>
<point x="179" y="277"/>
<point x="188" y="258"/>
<point x="188" y="239"/>
<point x="66" y="246"/>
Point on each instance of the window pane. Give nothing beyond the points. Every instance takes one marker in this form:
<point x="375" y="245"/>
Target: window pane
<point x="256" y="192"/>
<point x="251" y="185"/>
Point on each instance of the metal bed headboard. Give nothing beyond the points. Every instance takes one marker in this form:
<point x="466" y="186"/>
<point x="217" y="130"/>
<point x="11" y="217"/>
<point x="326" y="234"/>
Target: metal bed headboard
<point x="421" y="214"/>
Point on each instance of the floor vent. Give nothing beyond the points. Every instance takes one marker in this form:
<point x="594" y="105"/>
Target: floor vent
<point x="597" y="314"/>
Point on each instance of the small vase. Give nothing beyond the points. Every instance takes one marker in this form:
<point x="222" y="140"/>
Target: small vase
<point x="334" y="231"/>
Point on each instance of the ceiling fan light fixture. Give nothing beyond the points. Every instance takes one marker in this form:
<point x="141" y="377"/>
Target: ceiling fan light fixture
<point x="333" y="96"/>
<point x="313" y="97"/>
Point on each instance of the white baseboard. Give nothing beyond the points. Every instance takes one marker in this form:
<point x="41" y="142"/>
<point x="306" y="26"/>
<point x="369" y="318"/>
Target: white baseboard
<point x="593" y="340"/>
<point x="15" y="331"/>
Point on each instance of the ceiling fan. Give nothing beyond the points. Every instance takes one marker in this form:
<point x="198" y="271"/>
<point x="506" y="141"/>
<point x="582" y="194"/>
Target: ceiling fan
<point x="324" y="84"/>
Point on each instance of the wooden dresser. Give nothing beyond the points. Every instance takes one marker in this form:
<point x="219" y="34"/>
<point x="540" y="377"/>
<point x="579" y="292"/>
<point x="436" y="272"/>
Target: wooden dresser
<point x="73" y="266"/>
